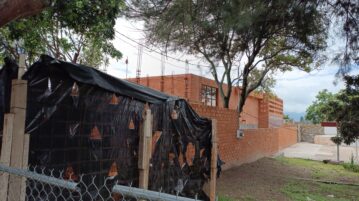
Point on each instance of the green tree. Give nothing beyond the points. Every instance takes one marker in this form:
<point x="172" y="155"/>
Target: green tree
<point x="346" y="110"/>
<point x="251" y="37"/>
<point x="287" y="118"/>
<point x="321" y="109"/>
<point x="78" y="31"/>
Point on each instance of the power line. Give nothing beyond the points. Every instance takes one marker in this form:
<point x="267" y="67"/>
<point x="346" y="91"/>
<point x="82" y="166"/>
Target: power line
<point x="173" y="65"/>
<point x="161" y="53"/>
<point x="196" y="65"/>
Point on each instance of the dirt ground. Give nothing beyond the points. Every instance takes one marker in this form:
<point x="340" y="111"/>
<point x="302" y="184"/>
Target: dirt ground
<point x="283" y="179"/>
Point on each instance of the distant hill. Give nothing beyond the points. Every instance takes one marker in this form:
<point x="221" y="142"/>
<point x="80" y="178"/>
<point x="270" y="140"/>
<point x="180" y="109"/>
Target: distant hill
<point x="295" y="115"/>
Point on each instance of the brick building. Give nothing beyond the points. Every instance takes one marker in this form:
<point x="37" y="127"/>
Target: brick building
<point x="261" y="120"/>
<point x="260" y="110"/>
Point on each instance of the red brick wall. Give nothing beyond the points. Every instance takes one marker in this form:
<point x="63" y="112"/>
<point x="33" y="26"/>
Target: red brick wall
<point x="270" y="112"/>
<point x="250" y="114"/>
<point x="286" y="136"/>
<point x="255" y="144"/>
<point x="258" y="110"/>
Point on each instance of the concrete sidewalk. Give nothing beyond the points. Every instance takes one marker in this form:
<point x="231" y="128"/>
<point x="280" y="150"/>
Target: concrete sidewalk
<point x="318" y="152"/>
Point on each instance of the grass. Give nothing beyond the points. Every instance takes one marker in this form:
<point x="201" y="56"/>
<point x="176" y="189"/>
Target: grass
<point x="305" y="191"/>
<point x="351" y="166"/>
<point x="224" y="198"/>
<point x="319" y="170"/>
<point x="247" y="198"/>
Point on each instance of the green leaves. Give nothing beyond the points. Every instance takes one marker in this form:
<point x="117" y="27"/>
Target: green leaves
<point x="251" y="35"/>
<point x="72" y="30"/>
<point x="322" y="108"/>
<point x="347" y="110"/>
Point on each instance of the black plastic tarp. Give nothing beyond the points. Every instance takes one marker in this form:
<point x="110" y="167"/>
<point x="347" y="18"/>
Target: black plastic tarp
<point x="86" y="120"/>
<point x="94" y="77"/>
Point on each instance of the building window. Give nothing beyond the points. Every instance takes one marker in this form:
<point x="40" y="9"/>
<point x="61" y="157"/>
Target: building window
<point x="209" y="95"/>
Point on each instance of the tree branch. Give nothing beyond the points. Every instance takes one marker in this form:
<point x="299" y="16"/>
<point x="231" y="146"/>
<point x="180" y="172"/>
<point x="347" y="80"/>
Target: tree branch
<point x="15" y="9"/>
<point x="252" y="87"/>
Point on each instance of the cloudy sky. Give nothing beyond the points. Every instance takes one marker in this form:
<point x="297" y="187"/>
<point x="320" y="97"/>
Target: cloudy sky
<point x="298" y="89"/>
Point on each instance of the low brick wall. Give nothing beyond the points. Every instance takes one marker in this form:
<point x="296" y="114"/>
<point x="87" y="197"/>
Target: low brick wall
<point x="255" y="144"/>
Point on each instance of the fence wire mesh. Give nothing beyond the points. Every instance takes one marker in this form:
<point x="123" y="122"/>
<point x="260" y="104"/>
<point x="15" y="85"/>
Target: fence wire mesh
<point x="41" y="184"/>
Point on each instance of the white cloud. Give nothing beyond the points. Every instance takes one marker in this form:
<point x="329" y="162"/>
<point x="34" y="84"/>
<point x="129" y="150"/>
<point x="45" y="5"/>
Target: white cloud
<point x="298" y="89"/>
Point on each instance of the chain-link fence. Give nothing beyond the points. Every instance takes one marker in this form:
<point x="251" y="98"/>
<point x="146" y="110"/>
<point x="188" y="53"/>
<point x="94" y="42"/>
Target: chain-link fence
<point x="49" y="185"/>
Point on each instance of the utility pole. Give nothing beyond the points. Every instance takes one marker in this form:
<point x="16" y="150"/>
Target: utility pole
<point x="139" y="63"/>
<point x="163" y="66"/>
<point x="200" y="81"/>
<point x="186" y="80"/>
<point x="126" y="62"/>
<point x="172" y="84"/>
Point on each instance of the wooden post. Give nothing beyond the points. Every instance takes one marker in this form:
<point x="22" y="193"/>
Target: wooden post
<point x="15" y="145"/>
<point x="6" y="153"/>
<point x="145" y="147"/>
<point x="25" y="162"/>
<point x="214" y="155"/>
<point x="299" y="134"/>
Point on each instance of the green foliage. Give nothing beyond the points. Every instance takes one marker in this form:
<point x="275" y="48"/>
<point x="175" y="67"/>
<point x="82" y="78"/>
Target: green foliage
<point x="347" y="110"/>
<point x="79" y="31"/>
<point x="351" y="166"/>
<point x="267" y="84"/>
<point x="287" y="118"/>
<point x="337" y="140"/>
<point x="342" y="107"/>
<point x="257" y="37"/>
<point x="321" y="110"/>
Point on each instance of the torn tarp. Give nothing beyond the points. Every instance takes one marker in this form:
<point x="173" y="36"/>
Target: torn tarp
<point x="86" y="121"/>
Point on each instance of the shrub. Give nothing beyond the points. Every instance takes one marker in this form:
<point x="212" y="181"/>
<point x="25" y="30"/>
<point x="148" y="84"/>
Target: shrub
<point x="351" y="166"/>
<point x="337" y="140"/>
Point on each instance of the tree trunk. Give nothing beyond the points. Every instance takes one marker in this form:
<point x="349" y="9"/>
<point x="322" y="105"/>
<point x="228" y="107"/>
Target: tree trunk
<point x="243" y="95"/>
<point x="224" y="97"/>
<point x="15" y="9"/>
<point x="226" y="102"/>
